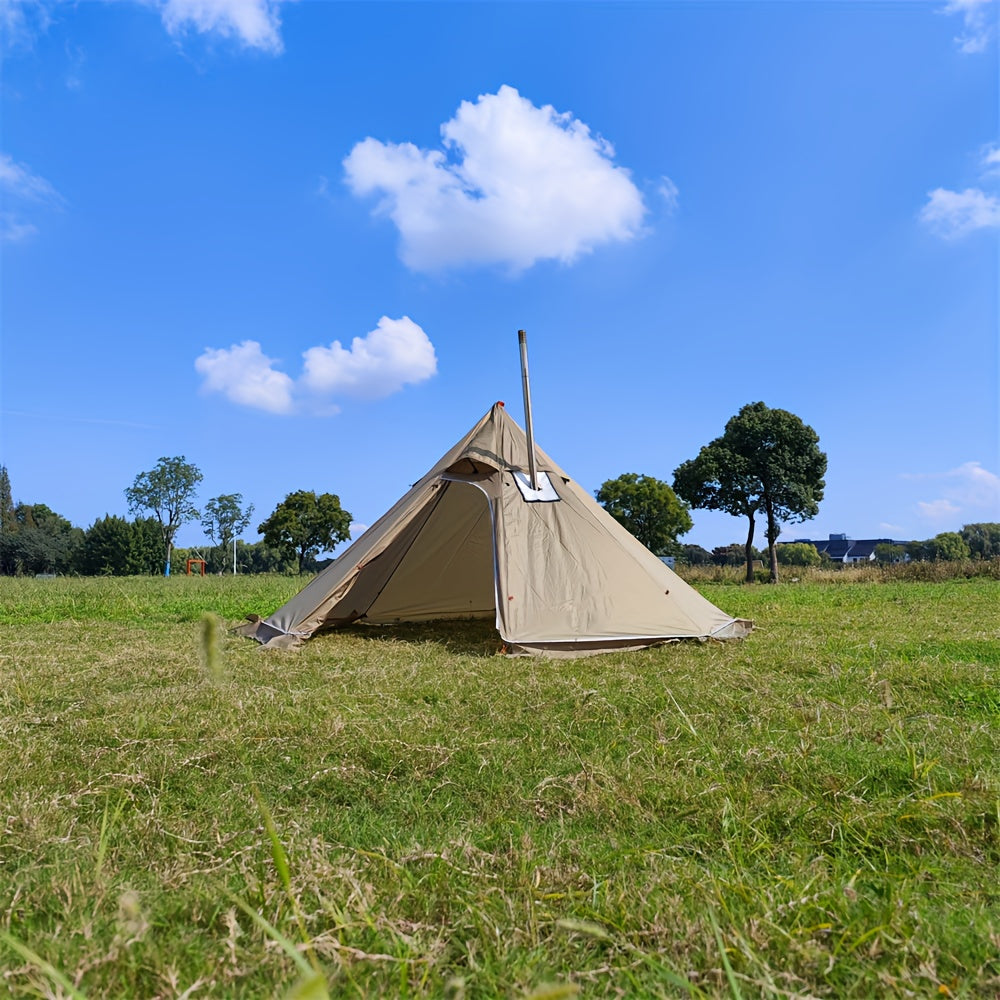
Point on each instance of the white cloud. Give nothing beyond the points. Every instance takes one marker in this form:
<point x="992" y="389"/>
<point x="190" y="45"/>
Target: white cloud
<point x="22" y="190"/>
<point x="395" y="354"/>
<point x="357" y="529"/>
<point x="515" y="184"/>
<point x="22" y="21"/>
<point x="892" y="528"/>
<point x="952" y="214"/>
<point x="669" y="193"/>
<point x="968" y="490"/>
<point x="13" y="229"/>
<point x="976" y="486"/>
<point x="17" y="181"/>
<point x="978" y="23"/>
<point x="255" y="24"/>
<point x="937" y="510"/>
<point x="244" y="375"/>
<point x="991" y="160"/>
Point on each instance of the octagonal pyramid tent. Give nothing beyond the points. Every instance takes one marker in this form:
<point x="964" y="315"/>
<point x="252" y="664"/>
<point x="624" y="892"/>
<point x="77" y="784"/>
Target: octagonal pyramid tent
<point x="473" y="539"/>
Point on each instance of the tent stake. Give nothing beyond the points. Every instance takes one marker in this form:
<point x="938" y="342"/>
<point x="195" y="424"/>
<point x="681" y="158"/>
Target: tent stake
<point x="522" y="340"/>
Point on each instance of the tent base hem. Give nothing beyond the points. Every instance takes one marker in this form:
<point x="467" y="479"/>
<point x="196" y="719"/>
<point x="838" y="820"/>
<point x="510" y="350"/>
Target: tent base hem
<point x="571" y="649"/>
<point x="738" y="628"/>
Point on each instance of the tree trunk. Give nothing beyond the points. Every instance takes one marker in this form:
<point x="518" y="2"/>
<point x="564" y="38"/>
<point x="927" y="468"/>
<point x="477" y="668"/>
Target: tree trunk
<point x="772" y="537"/>
<point x="168" y="532"/>
<point x="749" y="551"/>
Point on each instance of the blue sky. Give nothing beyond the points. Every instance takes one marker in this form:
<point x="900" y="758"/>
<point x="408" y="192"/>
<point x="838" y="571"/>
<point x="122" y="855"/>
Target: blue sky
<point x="294" y="242"/>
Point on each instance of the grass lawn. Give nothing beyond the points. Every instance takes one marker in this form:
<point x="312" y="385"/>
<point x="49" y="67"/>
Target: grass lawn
<point x="812" y="812"/>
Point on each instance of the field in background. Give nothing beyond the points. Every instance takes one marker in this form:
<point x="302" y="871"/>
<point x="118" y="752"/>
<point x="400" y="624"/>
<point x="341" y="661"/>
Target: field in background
<point x="871" y="572"/>
<point x="812" y="812"/>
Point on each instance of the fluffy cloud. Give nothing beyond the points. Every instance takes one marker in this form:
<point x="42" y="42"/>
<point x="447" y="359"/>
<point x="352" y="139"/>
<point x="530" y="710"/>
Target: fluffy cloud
<point x="952" y="214"/>
<point x="978" y="25"/>
<point x="245" y="375"/>
<point x="515" y="184"/>
<point x="22" y="189"/>
<point x="396" y="353"/>
<point x="969" y="490"/>
<point x="255" y="24"/>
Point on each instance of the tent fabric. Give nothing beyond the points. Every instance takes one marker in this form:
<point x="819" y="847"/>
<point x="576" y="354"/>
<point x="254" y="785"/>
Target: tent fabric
<point x="560" y="577"/>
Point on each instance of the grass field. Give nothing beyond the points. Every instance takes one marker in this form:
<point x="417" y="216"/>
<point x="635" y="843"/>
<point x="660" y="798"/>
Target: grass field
<point x="812" y="812"/>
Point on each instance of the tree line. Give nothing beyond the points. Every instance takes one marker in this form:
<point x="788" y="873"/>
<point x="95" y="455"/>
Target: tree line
<point x="36" y="540"/>
<point x="974" y="541"/>
<point x="767" y="463"/>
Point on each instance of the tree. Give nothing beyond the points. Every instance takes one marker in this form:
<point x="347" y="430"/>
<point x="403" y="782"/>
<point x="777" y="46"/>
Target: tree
<point x="649" y="509"/>
<point x="167" y="491"/>
<point x="798" y="554"/>
<point x="41" y="541"/>
<point x="147" y="549"/>
<point x="257" y="557"/>
<point x="766" y="461"/>
<point x="225" y="519"/>
<point x="947" y="546"/>
<point x="113" y="546"/>
<point x="695" y="555"/>
<point x="715" y="480"/>
<point x="889" y="552"/>
<point x="304" y="524"/>
<point x="106" y="547"/>
<point x="8" y="525"/>
<point x="6" y="502"/>
<point x="983" y="539"/>
<point x="734" y="554"/>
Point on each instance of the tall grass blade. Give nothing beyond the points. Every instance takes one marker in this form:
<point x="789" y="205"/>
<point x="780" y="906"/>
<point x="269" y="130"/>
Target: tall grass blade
<point x="554" y="991"/>
<point x="274" y="934"/>
<point x="284" y="872"/>
<point x="211" y="654"/>
<point x="277" y="848"/>
<point x="734" y="986"/>
<point x="50" y="970"/>
<point x="312" y="987"/>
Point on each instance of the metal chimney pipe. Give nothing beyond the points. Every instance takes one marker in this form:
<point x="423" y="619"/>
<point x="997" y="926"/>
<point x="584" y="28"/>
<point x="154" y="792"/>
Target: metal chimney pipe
<point x="522" y="341"/>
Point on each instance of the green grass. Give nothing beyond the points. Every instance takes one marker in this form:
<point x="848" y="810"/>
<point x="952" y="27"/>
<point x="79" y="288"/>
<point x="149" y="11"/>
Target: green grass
<point x="812" y="812"/>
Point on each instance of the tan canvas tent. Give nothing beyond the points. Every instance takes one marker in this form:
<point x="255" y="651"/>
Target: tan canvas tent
<point x="473" y="539"/>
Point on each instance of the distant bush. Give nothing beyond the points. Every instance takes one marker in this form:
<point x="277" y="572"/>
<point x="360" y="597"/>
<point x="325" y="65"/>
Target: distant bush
<point x="929" y="571"/>
<point x="734" y="554"/>
<point x="695" y="555"/>
<point x="798" y="554"/>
